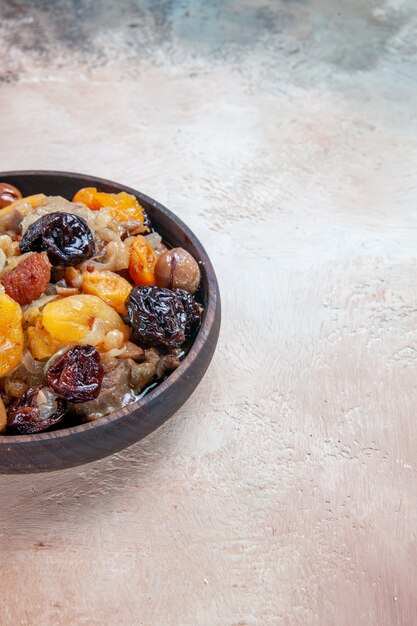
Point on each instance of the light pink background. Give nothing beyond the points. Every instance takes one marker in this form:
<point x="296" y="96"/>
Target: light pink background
<point x="284" y="491"/>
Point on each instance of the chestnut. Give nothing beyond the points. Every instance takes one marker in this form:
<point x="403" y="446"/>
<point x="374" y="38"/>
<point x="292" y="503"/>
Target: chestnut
<point x="8" y="194"/>
<point x="177" y="269"/>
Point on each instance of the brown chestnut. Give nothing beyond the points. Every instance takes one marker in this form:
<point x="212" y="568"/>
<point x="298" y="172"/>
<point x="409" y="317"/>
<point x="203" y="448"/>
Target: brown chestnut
<point x="177" y="269"/>
<point x="8" y="194"/>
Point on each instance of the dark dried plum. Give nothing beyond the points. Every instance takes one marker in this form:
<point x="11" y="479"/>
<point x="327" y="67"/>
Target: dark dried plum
<point x="77" y="375"/>
<point x="157" y="316"/>
<point x="192" y="312"/>
<point x="67" y="238"/>
<point x="35" y="411"/>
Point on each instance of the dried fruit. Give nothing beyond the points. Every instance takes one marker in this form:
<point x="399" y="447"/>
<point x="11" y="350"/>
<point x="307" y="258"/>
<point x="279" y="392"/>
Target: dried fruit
<point x="35" y="411"/>
<point x="77" y="375"/>
<point x="192" y="313"/>
<point x="109" y="286"/>
<point x="67" y="238"/>
<point x="157" y="316"/>
<point x="71" y="319"/>
<point x="41" y="344"/>
<point x="91" y="198"/>
<point x="177" y="269"/>
<point x="87" y="283"/>
<point x="142" y="262"/>
<point x="28" y="280"/>
<point x="8" y="194"/>
<point x="11" y="334"/>
<point x="123" y="206"/>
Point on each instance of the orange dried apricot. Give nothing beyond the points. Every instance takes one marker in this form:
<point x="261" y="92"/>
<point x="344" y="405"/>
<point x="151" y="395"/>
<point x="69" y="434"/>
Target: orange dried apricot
<point x="123" y="206"/>
<point x="142" y="262"/>
<point x="71" y="319"/>
<point x="90" y="197"/>
<point x="109" y="286"/>
<point x="11" y="334"/>
<point x="126" y="208"/>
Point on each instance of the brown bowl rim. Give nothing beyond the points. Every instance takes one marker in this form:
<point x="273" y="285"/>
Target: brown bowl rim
<point x="208" y="322"/>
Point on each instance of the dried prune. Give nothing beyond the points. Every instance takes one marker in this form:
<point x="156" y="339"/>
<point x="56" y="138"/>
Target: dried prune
<point x="35" y="411"/>
<point x="77" y="375"/>
<point x="66" y="238"/>
<point x="157" y="316"/>
<point x="192" y="312"/>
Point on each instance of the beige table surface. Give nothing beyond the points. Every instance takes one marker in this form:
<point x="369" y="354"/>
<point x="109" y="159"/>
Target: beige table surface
<point x="284" y="133"/>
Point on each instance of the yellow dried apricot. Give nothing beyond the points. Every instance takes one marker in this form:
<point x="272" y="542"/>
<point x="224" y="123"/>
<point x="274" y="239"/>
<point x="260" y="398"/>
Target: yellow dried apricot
<point x="109" y="286"/>
<point x="123" y="206"/>
<point x="11" y="334"/>
<point x="41" y="344"/>
<point x="71" y="319"/>
<point x="142" y="262"/>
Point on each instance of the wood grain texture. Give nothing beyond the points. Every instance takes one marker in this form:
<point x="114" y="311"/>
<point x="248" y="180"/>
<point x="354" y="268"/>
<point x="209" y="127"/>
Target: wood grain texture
<point x="283" y="492"/>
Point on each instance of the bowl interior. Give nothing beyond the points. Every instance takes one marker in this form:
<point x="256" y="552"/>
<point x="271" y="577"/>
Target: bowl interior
<point x="185" y="378"/>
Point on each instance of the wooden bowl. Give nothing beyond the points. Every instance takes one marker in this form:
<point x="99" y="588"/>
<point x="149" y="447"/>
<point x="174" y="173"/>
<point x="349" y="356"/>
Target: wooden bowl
<point x="87" y="442"/>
